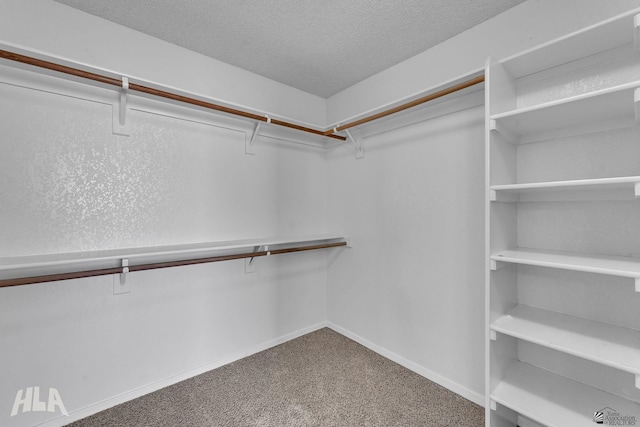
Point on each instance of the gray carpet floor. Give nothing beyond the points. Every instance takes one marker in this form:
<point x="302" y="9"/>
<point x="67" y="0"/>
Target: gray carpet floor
<point x="319" y="379"/>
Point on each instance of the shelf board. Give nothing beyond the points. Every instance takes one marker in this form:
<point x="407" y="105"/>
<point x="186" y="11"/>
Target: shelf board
<point x="628" y="186"/>
<point x="610" y="34"/>
<point x="601" y="264"/>
<point x="556" y="401"/>
<point x="604" y="109"/>
<point x="34" y="265"/>
<point x="599" y="342"/>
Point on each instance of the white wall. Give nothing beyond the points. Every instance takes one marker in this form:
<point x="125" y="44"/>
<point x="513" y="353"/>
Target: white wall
<point x="68" y="184"/>
<point x="412" y="286"/>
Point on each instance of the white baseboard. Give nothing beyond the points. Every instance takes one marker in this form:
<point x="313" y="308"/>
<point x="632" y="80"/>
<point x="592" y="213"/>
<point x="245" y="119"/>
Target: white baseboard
<point x="412" y="366"/>
<point x="157" y="385"/>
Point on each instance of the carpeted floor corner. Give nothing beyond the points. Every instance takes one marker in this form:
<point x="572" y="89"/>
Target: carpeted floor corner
<point x="319" y="379"/>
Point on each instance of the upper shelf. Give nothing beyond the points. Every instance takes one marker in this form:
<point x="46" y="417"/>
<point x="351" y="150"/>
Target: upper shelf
<point x="615" y="32"/>
<point x="609" y="108"/>
<point x="35" y="265"/>
<point x="625" y="187"/>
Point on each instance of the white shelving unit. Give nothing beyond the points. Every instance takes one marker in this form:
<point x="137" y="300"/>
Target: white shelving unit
<point x="553" y="190"/>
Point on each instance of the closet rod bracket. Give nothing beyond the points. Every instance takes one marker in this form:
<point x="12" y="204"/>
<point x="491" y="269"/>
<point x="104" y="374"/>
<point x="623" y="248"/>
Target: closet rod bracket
<point x="120" y="283"/>
<point x="249" y="144"/>
<point x="125" y="270"/>
<point x="249" y="263"/>
<point x="354" y="136"/>
<point x="349" y="241"/>
<point x="637" y="283"/>
<point x="120" y="123"/>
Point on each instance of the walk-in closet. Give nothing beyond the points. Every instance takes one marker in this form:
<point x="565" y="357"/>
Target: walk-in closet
<point x="299" y="213"/>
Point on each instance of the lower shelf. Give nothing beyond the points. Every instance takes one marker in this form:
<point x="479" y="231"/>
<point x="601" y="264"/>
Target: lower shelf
<point x="556" y="401"/>
<point x="599" y="342"/>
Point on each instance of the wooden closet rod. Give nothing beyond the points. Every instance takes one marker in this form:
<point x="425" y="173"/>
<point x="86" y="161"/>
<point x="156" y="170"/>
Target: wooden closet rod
<point x="427" y="98"/>
<point x="117" y="270"/>
<point x="156" y="92"/>
<point x="330" y="133"/>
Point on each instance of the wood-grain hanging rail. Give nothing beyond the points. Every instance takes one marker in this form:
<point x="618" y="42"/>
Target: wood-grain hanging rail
<point x="156" y="92"/>
<point x="449" y="90"/>
<point x="330" y="133"/>
<point x="152" y="266"/>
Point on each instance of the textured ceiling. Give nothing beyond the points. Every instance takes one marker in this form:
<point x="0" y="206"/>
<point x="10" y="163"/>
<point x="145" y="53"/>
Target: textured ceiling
<point x="318" y="46"/>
